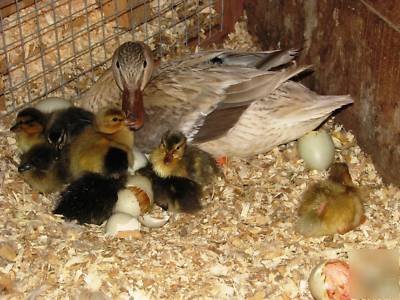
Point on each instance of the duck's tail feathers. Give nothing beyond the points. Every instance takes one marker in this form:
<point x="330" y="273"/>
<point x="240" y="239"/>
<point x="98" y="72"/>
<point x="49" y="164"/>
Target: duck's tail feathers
<point x="90" y="199"/>
<point x="310" y="225"/>
<point x="297" y="104"/>
<point x="325" y="106"/>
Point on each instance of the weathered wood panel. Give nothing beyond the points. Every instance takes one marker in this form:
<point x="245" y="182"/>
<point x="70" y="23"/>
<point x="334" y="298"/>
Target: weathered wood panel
<point x="355" y="47"/>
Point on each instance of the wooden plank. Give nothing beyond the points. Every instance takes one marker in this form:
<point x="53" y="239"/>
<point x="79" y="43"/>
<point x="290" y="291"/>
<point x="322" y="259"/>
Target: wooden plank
<point x="9" y="7"/>
<point x="354" y="50"/>
<point x="231" y="10"/>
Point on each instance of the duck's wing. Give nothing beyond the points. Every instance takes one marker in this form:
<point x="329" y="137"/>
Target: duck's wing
<point x="237" y="98"/>
<point x="204" y="102"/>
<point x="263" y="60"/>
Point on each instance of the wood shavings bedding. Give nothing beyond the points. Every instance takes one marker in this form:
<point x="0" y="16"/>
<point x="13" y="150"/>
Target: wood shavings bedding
<point x="240" y="246"/>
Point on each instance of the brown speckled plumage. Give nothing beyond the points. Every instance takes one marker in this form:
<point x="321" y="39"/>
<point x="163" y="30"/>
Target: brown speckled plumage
<point x="197" y="98"/>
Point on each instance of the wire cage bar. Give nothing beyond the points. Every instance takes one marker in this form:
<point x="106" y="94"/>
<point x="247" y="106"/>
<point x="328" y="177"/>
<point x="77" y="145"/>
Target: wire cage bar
<point x="60" y="47"/>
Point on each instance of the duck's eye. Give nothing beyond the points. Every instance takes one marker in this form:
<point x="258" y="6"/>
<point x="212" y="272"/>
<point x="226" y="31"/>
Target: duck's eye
<point x="115" y="119"/>
<point x="117" y="64"/>
<point x="144" y="64"/>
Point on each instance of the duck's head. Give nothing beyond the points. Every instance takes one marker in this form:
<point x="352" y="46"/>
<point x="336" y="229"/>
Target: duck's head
<point x="173" y="145"/>
<point x="111" y="120"/>
<point x="133" y="65"/>
<point x="30" y="121"/>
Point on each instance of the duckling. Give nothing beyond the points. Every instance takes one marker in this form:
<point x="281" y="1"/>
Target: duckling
<point x="66" y="124"/>
<point x="44" y="169"/>
<point x="172" y="193"/>
<point x="105" y="147"/>
<point x="99" y="161"/>
<point x="173" y="157"/>
<point x="90" y="199"/>
<point x="331" y="206"/>
<point x="29" y="128"/>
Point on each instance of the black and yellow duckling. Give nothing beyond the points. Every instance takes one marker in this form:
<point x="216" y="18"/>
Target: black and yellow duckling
<point x="29" y="128"/>
<point x="331" y="206"/>
<point x="66" y="124"/>
<point x="174" y="157"/>
<point x="172" y="193"/>
<point x="44" y="169"/>
<point x="99" y="161"/>
<point x="103" y="148"/>
<point x="90" y="199"/>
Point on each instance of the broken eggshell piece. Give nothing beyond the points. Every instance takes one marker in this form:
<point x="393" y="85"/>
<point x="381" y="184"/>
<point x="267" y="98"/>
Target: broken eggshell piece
<point x="137" y="198"/>
<point x="330" y="280"/>
<point x="121" y="222"/>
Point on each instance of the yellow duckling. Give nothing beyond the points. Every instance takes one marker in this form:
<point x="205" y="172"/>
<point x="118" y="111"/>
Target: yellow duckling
<point x="44" y="169"/>
<point x="174" y="157"/>
<point x="29" y="128"/>
<point x="104" y="148"/>
<point x="331" y="206"/>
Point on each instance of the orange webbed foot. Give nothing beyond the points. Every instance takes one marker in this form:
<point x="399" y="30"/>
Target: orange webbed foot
<point x="222" y="161"/>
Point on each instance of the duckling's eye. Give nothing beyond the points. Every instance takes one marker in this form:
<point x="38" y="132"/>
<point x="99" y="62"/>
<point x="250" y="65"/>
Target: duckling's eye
<point x="115" y="119"/>
<point x="144" y="64"/>
<point x="179" y="147"/>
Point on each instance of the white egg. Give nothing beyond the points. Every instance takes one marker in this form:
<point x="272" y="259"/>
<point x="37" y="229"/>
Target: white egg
<point x="317" y="150"/>
<point x="138" y="192"/>
<point x="121" y="222"/>
<point x="52" y="104"/>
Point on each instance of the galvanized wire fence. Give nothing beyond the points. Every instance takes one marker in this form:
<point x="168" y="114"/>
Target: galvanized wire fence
<point x="60" y="47"/>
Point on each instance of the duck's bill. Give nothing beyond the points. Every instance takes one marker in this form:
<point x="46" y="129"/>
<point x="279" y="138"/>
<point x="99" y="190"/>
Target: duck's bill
<point x="132" y="105"/>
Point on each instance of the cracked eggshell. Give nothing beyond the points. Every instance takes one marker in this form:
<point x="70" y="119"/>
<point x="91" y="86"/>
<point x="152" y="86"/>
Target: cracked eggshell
<point x="330" y="279"/>
<point x="121" y="222"/>
<point x="140" y="160"/>
<point x="52" y="104"/>
<point x="152" y="222"/>
<point x="317" y="150"/>
<point x="137" y="198"/>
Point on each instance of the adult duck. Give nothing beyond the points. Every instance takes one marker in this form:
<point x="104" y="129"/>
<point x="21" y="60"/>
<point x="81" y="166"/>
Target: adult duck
<point x="225" y="101"/>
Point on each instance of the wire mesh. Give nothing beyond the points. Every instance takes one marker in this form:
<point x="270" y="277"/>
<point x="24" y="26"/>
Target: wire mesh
<point x="60" y="47"/>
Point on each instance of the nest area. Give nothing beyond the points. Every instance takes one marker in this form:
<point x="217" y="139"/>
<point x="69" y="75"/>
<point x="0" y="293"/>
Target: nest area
<point x="242" y="245"/>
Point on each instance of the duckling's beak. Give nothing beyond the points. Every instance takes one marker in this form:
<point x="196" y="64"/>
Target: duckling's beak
<point x="14" y="127"/>
<point x="168" y="157"/>
<point x="132" y="105"/>
<point x="24" y="167"/>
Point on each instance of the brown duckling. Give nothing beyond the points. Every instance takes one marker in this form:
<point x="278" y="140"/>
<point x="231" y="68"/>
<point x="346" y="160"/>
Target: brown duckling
<point x="174" y="157"/>
<point x="44" y="169"/>
<point x="104" y="148"/>
<point x="29" y="128"/>
<point x="331" y="206"/>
